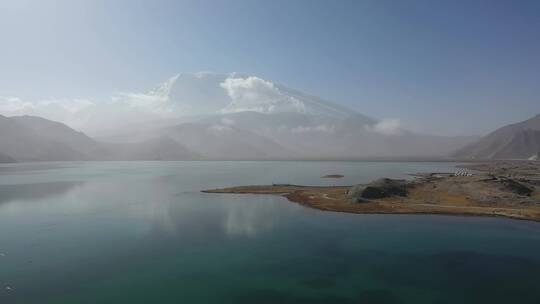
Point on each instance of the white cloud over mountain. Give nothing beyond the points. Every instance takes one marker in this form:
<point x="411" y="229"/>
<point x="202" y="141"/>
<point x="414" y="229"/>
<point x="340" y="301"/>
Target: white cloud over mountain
<point x="88" y="115"/>
<point x="120" y="110"/>
<point x="64" y="110"/>
<point x="387" y="126"/>
<point x="258" y="95"/>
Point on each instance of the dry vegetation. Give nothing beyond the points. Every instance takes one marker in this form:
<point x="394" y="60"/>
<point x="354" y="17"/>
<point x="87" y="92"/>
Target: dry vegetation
<point x="497" y="189"/>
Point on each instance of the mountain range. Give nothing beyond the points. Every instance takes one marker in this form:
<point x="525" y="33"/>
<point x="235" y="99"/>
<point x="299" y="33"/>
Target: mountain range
<point x="234" y="116"/>
<point x="515" y="141"/>
<point x="28" y="138"/>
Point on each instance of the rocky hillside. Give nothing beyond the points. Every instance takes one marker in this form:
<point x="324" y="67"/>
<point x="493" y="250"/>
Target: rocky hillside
<point x="26" y="138"/>
<point x="515" y="141"/>
<point x="30" y="138"/>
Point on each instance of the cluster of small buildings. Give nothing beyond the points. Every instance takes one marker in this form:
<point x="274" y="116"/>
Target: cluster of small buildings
<point x="463" y="172"/>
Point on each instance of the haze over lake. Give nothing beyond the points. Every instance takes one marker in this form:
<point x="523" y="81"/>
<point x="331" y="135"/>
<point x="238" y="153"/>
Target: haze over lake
<point x="141" y="232"/>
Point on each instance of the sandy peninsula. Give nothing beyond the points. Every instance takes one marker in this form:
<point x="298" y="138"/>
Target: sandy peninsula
<point x="509" y="189"/>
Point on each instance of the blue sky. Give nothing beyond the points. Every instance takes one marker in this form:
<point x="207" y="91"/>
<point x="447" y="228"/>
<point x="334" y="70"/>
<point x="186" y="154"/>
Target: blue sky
<point x="445" y="67"/>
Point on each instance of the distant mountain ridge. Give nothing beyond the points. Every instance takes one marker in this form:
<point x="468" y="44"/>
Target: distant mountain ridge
<point x="30" y="138"/>
<point x="6" y="159"/>
<point x="235" y="116"/>
<point x="218" y="117"/>
<point x="27" y="138"/>
<point x="515" y="141"/>
<point x="235" y="136"/>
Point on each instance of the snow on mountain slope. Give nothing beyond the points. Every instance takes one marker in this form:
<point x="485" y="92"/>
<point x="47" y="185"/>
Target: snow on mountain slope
<point x="210" y="94"/>
<point x="182" y="98"/>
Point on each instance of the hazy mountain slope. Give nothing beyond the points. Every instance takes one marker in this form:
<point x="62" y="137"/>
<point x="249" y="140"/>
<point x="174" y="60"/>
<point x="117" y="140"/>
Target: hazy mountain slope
<point x="23" y="142"/>
<point x="61" y="134"/>
<point x="253" y="135"/>
<point x="317" y="106"/>
<point x="30" y="138"/>
<point x="160" y="148"/>
<point x="6" y="158"/>
<point x="407" y="144"/>
<point x="519" y="140"/>
<point x="523" y="145"/>
<point x="218" y="141"/>
<point x="351" y="136"/>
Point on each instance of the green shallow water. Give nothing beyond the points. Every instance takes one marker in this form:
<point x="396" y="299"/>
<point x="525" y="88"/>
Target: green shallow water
<point x="141" y="232"/>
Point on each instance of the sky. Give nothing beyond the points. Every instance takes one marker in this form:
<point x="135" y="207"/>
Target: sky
<point x="440" y="67"/>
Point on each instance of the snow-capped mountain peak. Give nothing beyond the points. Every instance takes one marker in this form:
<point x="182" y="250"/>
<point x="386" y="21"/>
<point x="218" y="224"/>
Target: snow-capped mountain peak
<point x="211" y="93"/>
<point x="180" y="97"/>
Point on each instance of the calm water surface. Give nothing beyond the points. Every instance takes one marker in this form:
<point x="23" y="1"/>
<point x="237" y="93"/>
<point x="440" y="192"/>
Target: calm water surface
<point x="141" y="232"/>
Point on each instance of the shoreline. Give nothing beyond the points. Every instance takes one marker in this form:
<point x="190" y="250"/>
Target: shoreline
<point x="496" y="189"/>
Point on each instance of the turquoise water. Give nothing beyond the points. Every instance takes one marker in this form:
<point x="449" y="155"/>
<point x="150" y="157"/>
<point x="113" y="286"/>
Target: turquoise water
<point x="141" y="232"/>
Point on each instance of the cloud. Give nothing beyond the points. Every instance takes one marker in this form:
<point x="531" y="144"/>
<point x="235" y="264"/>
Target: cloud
<point x="387" y="126"/>
<point x="216" y="128"/>
<point x="120" y="110"/>
<point x="250" y="220"/>
<point x="65" y="110"/>
<point x="10" y="106"/>
<point x="155" y="102"/>
<point x="87" y="115"/>
<point x="16" y="106"/>
<point x="227" y="121"/>
<point x="256" y="94"/>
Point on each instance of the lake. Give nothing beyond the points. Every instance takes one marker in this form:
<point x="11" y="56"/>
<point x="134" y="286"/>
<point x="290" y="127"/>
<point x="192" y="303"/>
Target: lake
<point x="142" y="232"/>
